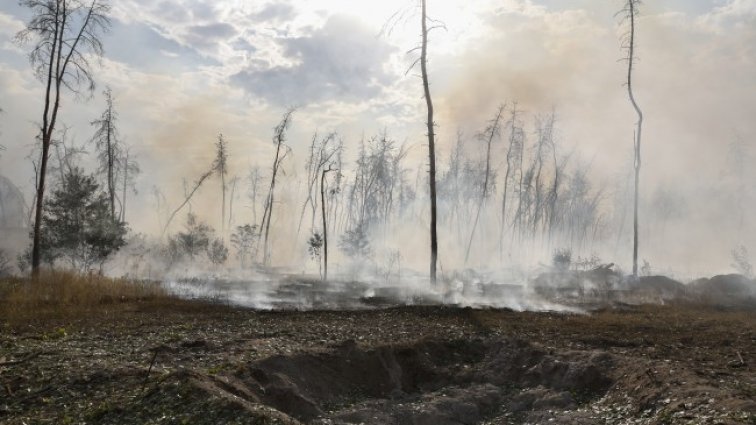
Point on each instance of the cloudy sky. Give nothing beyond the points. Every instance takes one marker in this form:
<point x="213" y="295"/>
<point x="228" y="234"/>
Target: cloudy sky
<point x="183" y="71"/>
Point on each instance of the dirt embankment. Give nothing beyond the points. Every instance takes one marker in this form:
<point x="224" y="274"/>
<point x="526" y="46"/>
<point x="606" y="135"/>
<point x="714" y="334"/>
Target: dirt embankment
<point x="198" y="364"/>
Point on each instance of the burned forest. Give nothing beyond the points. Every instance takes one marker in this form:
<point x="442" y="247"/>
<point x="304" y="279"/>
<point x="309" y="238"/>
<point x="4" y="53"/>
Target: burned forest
<point x="404" y="212"/>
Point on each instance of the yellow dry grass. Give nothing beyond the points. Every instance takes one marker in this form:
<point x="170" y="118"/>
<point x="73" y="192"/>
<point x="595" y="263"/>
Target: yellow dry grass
<point x="61" y="293"/>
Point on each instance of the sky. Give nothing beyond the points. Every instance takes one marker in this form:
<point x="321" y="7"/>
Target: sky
<point x="183" y="71"/>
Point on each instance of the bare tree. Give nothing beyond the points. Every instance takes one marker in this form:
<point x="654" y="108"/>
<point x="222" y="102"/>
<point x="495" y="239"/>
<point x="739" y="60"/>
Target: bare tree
<point x="220" y="167"/>
<point x="492" y="131"/>
<point x="109" y="149"/>
<point x="322" y="152"/>
<point x="188" y="198"/>
<point x="325" y="218"/>
<point x="378" y="182"/>
<point x="234" y="183"/>
<point x="130" y="170"/>
<point x="66" y="154"/>
<point x="545" y="131"/>
<point x="450" y="183"/>
<point x="254" y="178"/>
<point x="282" y="151"/>
<point x="522" y="187"/>
<point x="630" y="12"/>
<point x="66" y="34"/>
<point x="430" y="124"/>
<point x="514" y="145"/>
<point x="431" y="142"/>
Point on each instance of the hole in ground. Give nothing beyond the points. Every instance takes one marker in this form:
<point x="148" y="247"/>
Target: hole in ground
<point x="433" y="382"/>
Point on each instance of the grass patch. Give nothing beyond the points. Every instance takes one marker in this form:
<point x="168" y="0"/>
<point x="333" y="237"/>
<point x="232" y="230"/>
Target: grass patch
<point x="65" y="294"/>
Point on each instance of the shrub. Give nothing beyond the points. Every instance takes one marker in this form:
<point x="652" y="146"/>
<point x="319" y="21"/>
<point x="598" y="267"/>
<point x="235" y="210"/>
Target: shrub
<point x="562" y="259"/>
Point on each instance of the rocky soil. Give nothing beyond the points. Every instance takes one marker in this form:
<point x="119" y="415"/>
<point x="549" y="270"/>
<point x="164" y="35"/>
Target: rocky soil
<point x="194" y="363"/>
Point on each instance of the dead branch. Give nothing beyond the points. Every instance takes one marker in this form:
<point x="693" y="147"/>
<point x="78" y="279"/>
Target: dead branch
<point x="188" y="198"/>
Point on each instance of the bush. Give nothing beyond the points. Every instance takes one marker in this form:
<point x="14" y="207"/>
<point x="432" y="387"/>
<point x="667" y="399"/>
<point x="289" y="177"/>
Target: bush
<point x="244" y="240"/>
<point x="356" y="243"/>
<point x="562" y="259"/>
<point x="314" y="245"/>
<point x="217" y="252"/>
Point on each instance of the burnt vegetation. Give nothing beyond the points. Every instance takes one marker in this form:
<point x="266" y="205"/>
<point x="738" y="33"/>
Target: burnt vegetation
<point x="322" y="243"/>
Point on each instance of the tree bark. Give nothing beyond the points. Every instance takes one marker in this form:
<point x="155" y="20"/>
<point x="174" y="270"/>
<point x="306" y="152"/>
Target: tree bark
<point x="637" y="136"/>
<point x="431" y="145"/>
<point x="56" y="73"/>
<point x="325" y="222"/>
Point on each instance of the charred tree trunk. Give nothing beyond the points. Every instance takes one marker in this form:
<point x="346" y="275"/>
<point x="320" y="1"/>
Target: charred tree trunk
<point x="325" y="220"/>
<point x="279" y="139"/>
<point x="110" y="156"/>
<point x="220" y="167"/>
<point x="431" y="144"/>
<point x="51" y="57"/>
<point x="48" y="125"/>
<point x="632" y="11"/>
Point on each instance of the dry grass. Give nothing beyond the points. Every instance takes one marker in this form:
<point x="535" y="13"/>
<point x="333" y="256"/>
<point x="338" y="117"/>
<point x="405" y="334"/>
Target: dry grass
<point x="62" y="294"/>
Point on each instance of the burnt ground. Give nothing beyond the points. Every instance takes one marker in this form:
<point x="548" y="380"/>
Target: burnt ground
<point x="193" y="363"/>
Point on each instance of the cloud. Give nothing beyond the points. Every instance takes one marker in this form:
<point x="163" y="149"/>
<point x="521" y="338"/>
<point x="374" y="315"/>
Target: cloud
<point x="9" y="25"/>
<point x="275" y="12"/>
<point x="341" y="60"/>
<point x="738" y="14"/>
<point x="163" y="55"/>
<point x="209" y="35"/>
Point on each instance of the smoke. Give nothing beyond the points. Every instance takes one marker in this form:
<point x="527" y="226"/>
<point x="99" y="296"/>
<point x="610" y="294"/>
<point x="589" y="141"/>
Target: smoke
<point x="694" y="82"/>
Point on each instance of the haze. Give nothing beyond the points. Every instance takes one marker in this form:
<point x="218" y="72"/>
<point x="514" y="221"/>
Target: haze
<point x="183" y="71"/>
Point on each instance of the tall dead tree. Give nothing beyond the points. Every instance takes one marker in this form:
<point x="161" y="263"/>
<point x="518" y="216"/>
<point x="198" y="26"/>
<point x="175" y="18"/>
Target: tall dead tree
<point x="109" y="151"/>
<point x="521" y="189"/>
<point x="630" y="13"/>
<point x="513" y="145"/>
<point x="545" y="132"/>
<point x="431" y="142"/>
<point x="253" y="179"/>
<point x="325" y="218"/>
<point x="130" y="170"/>
<point x="66" y="34"/>
<point x="323" y="151"/>
<point x="220" y="167"/>
<point x="492" y="131"/>
<point x="282" y="151"/>
<point x="234" y="182"/>
<point x="378" y="182"/>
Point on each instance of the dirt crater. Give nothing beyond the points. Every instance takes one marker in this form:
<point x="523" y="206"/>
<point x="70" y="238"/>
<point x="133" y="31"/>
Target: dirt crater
<point x="433" y="382"/>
